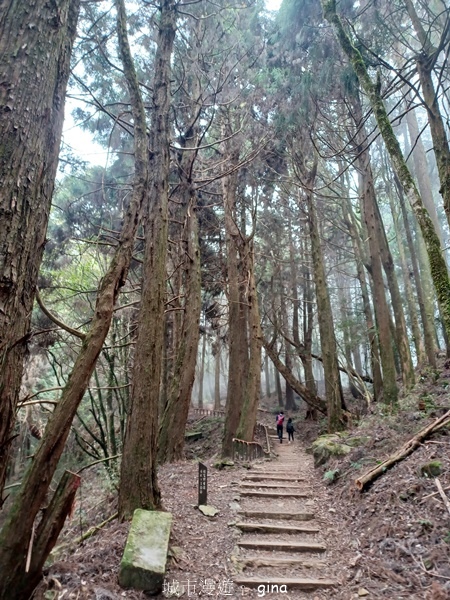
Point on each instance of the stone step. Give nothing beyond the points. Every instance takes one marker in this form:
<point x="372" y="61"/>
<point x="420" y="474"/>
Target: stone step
<point x="267" y="528"/>
<point x="272" y="494"/>
<point x="273" y="561"/>
<point x="285" y="472"/>
<point x="276" y="515"/>
<point x="283" y="585"/>
<point x="271" y="477"/>
<point x="278" y="485"/>
<point x="283" y="546"/>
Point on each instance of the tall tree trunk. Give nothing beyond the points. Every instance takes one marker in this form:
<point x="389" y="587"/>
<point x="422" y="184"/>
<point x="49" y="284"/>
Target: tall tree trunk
<point x="237" y="323"/>
<point x="438" y="267"/>
<point x="267" y="375"/>
<point x="358" y="249"/>
<point x="216" y="352"/>
<point x="377" y="249"/>
<point x="138" y="479"/>
<point x="253" y="377"/>
<point x="201" y="372"/>
<point x="36" y="40"/>
<point x="17" y="530"/>
<point x="426" y="315"/>
<point x="401" y="334"/>
<point x="289" y="393"/>
<point x="278" y="386"/>
<point x="410" y="300"/>
<point x="333" y="387"/>
<point x="308" y="327"/>
<point x="390" y="391"/>
<point x="174" y="418"/>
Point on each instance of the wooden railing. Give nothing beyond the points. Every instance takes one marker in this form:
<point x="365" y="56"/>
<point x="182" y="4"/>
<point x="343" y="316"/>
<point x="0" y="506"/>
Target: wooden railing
<point x="262" y="430"/>
<point x="206" y="412"/>
<point x="243" y="450"/>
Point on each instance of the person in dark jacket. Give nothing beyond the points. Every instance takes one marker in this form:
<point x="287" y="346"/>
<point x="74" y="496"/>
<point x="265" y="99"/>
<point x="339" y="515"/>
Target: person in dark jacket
<point x="280" y="421"/>
<point x="290" y="430"/>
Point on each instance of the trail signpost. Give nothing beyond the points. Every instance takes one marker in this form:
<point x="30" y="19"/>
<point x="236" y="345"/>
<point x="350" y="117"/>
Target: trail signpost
<point x="202" y="484"/>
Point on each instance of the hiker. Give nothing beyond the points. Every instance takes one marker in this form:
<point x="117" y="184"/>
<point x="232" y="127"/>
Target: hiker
<point x="280" y="421"/>
<point x="290" y="430"/>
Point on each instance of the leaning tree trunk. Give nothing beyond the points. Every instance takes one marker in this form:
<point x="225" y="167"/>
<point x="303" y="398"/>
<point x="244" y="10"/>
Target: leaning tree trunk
<point x="438" y="267"/>
<point x="312" y="399"/>
<point x="138" y="477"/>
<point x="17" y="531"/>
<point x="36" y="40"/>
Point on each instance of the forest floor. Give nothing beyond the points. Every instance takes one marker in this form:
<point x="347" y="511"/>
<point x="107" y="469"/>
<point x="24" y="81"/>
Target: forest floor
<point x="390" y="542"/>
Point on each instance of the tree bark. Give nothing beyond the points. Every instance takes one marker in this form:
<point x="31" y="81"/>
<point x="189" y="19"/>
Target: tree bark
<point x="174" y="418"/>
<point x="333" y="389"/>
<point x="267" y="375"/>
<point x="358" y="249"/>
<point x="216" y="351"/>
<point x="201" y="372"/>
<point x="237" y="317"/>
<point x="36" y="40"/>
<point x="410" y="300"/>
<point x="138" y="480"/>
<point x="252" y="392"/>
<point x="390" y="390"/>
<point x="427" y="319"/>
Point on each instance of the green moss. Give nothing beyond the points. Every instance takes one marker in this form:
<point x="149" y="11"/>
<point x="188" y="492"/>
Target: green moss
<point x="143" y="563"/>
<point x="326" y="446"/>
<point x="431" y="469"/>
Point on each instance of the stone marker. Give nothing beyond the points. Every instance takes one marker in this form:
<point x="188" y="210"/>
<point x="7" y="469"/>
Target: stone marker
<point x="143" y="564"/>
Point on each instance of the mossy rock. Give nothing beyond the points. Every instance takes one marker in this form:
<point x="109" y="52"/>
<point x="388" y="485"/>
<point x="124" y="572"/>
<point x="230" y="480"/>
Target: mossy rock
<point x="327" y="446"/>
<point x="221" y="464"/>
<point x="356" y="441"/>
<point x="431" y="469"/>
<point x="193" y="436"/>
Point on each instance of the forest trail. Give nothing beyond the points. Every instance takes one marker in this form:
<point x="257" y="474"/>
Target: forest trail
<point x="281" y="549"/>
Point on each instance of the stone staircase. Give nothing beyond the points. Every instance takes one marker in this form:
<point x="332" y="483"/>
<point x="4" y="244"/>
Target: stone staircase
<point x="280" y="548"/>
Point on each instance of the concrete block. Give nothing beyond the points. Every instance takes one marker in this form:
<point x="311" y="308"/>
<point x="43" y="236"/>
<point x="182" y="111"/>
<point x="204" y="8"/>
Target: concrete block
<point x="143" y="564"/>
